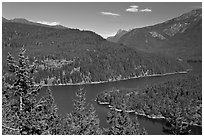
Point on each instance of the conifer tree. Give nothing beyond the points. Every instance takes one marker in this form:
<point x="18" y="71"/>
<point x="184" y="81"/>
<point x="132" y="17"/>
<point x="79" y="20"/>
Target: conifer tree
<point x="175" y="120"/>
<point x="47" y="111"/>
<point x="24" y="93"/>
<point x="8" y="116"/>
<point x="83" y="120"/>
<point x="122" y="124"/>
<point x="22" y="112"/>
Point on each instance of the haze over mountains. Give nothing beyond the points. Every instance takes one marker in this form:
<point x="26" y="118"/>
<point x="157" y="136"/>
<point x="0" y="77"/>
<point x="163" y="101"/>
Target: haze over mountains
<point x="74" y="56"/>
<point x="179" y="37"/>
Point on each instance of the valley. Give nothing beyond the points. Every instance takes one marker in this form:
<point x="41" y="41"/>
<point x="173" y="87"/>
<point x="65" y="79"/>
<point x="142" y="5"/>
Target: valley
<point x="59" y="80"/>
<point x="68" y="56"/>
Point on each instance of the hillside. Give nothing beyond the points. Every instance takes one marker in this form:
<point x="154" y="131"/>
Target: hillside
<point x="74" y="56"/>
<point x="117" y="36"/>
<point x="180" y="37"/>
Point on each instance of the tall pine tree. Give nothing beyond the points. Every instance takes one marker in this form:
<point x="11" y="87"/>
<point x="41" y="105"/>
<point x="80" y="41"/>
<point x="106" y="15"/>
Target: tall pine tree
<point x="83" y="120"/>
<point x="22" y="112"/>
<point x="52" y="123"/>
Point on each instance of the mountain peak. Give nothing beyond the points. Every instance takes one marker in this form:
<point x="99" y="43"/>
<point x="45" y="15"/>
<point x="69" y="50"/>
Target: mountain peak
<point x="117" y="36"/>
<point x="4" y="19"/>
<point x="120" y="31"/>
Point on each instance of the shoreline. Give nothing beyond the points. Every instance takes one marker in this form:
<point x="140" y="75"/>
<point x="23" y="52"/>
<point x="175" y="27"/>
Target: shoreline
<point x="142" y="114"/>
<point x="101" y="82"/>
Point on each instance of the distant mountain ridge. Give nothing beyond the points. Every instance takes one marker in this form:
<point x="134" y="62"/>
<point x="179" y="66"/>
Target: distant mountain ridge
<point x="4" y="19"/>
<point x="25" y="21"/>
<point x="180" y="37"/>
<point x="21" y="20"/>
<point x="117" y="36"/>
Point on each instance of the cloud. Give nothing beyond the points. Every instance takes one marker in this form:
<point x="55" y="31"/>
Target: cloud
<point x="49" y="23"/>
<point x="110" y="14"/>
<point x="133" y="8"/>
<point x="146" y="10"/>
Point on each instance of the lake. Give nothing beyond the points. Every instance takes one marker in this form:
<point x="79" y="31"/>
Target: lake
<point x="64" y="96"/>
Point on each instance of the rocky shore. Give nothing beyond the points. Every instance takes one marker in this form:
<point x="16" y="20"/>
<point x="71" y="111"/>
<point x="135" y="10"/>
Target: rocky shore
<point x="141" y="113"/>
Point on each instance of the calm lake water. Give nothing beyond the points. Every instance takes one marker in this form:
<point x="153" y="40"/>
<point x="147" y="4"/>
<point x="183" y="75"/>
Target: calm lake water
<point x="64" y="96"/>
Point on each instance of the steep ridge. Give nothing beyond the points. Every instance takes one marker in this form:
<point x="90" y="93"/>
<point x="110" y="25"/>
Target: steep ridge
<point x="180" y="37"/>
<point x="67" y="56"/>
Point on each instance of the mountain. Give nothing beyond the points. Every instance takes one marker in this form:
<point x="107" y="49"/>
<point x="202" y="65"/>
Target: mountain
<point x="25" y="21"/>
<point x="36" y="37"/>
<point x="180" y="37"/>
<point x="4" y="19"/>
<point x="59" y="27"/>
<point x="117" y="36"/>
<point x="75" y="56"/>
<point x="21" y="20"/>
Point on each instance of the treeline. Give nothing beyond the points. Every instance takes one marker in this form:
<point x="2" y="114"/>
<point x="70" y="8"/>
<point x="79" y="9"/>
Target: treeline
<point x="24" y="114"/>
<point x="178" y="101"/>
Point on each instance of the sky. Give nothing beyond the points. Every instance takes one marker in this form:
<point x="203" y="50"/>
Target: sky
<point x="104" y="18"/>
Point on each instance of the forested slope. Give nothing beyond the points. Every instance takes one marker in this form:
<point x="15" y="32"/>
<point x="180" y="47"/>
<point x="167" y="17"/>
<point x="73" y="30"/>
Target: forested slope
<point x="74" y="56"/>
